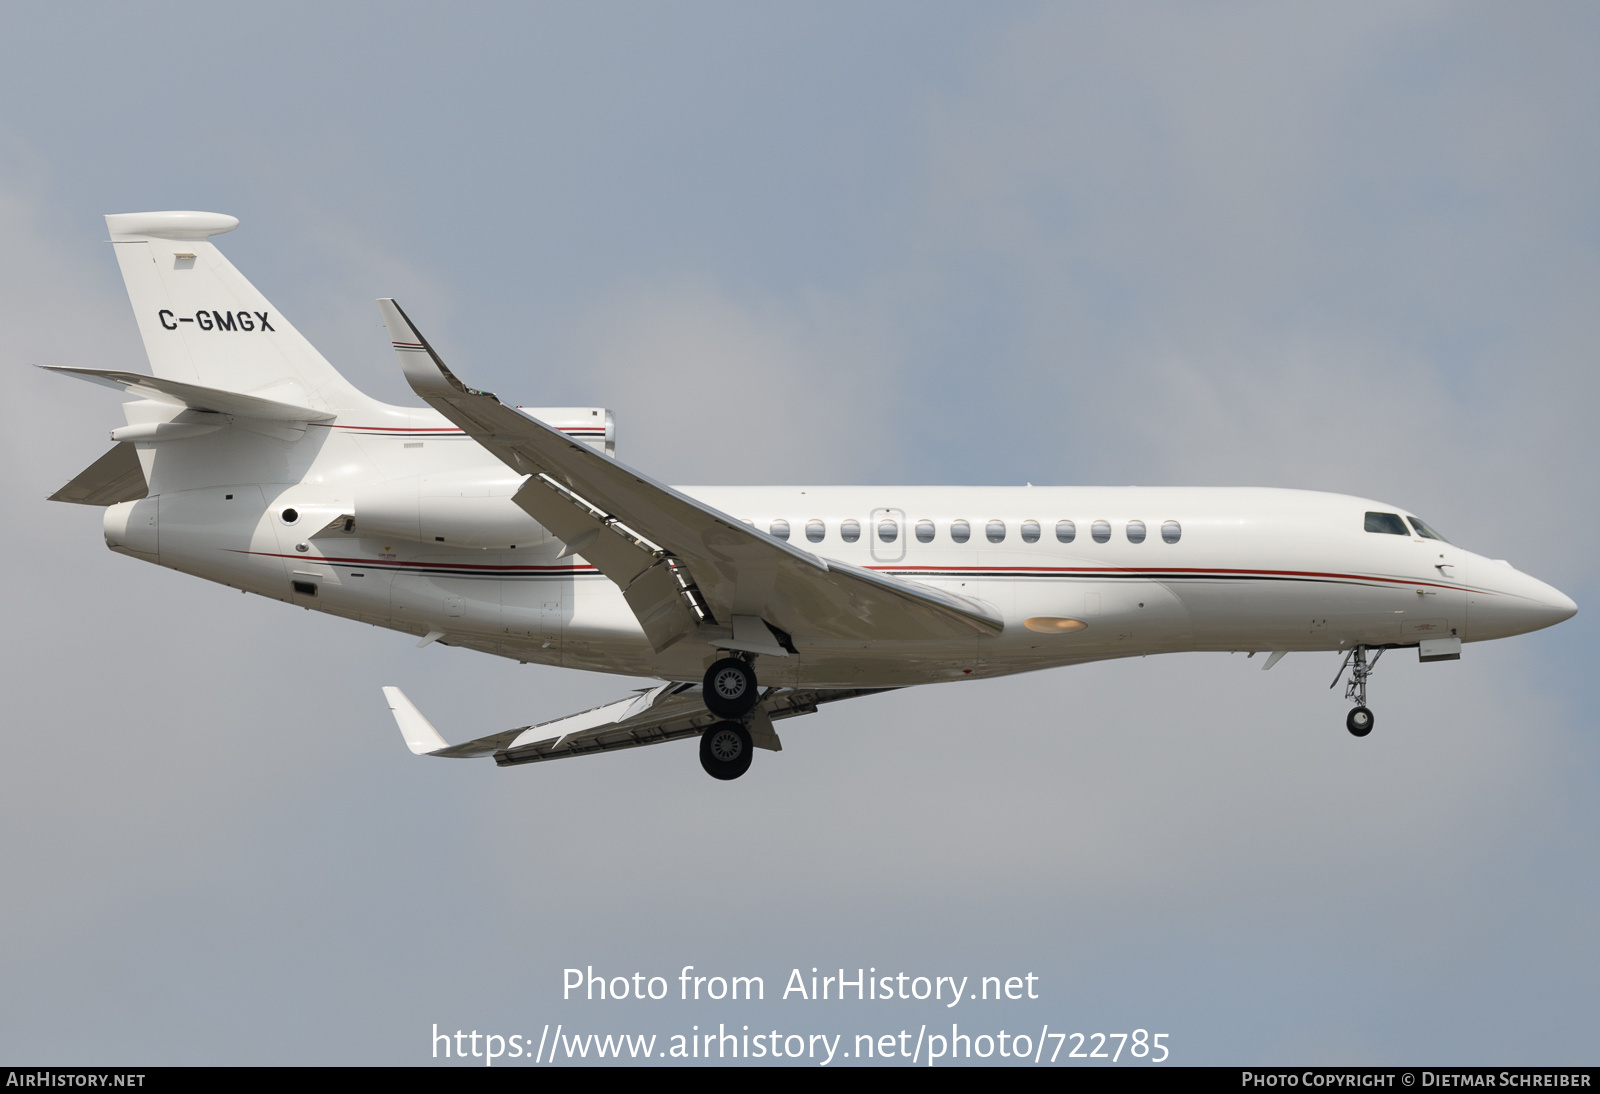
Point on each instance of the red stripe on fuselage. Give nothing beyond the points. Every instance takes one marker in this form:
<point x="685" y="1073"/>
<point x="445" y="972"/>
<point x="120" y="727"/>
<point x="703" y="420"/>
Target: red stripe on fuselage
<point x="573" y="430"/>
<point x="1203" y="571"/>
<point x="1196" y="571"/>
<point x="379" y="560"/>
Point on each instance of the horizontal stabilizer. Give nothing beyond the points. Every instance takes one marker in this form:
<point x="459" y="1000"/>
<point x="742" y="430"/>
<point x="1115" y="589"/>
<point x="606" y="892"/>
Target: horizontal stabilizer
<point x="196" y="397"/>
<point x="114" y="477"/>
<point x="421" y="737"/>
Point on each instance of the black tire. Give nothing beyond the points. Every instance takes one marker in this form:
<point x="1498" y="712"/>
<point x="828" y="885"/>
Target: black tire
<point x="725" y="750"/>
<point x="730" y="689"/>
<point x="1359" y="721"/>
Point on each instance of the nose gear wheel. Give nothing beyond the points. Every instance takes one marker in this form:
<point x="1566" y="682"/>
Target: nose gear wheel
<point x="1359" y="722"/>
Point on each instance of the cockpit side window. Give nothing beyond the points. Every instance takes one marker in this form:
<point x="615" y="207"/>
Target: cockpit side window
<point x="1389" y="523"/>
<point x="1424" y="531"/>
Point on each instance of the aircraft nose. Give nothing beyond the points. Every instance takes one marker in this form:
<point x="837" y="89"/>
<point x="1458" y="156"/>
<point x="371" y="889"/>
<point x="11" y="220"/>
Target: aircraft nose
<point x="1547" y="605"/>
<point x="1559" y="604"/>
<point x="1515" y="602"/>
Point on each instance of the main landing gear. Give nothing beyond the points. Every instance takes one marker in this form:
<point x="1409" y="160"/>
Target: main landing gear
<point x="730" y="688"/>
<point x="725" y="750"/>
<point x="731" y="693"/>
<point x="1359" y="720"/>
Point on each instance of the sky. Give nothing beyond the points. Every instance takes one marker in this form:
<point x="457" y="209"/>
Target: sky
<point x="1350" y="247"/>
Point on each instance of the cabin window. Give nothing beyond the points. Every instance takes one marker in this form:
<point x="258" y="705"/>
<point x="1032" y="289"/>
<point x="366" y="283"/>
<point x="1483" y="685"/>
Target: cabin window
<point x="816" y="530"/>
<point x="924" y="531"/>
<point x="1066" y="531"/>
<point x="1101" y="531"/>
<point x="1030" y="531"/>
<point x="960" y="531"/>
<point x="1171" y="531"/>
<point x="850" y="530"/>
<point x="888" y="530"/>
<point x="780" y="528"/>
<point x="1424" y="531"/>
<point x="996" y="531"/>
<point x="1135" y="531"/>
<point x="1387" y="523"/>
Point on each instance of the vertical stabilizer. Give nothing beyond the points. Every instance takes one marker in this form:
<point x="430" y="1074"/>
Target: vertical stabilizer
<point x="203" y="323"/>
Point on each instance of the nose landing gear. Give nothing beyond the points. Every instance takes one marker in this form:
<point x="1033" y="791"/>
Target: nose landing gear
<point x="1359" y="721"/>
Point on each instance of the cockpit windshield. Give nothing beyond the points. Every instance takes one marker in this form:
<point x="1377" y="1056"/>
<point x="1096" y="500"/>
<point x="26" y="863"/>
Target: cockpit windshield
<point x="1387" y="523"/>
<point x="1424" y="531"/>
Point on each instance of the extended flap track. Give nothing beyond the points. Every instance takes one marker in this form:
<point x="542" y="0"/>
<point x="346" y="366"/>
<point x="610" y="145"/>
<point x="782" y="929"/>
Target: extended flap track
<point x="605" y="518"/>
<point x="680" y="573"/>
<point x="691" y="591"/>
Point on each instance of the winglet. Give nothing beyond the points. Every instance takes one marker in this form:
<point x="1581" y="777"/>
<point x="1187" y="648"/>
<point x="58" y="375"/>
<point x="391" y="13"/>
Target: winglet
<point x="425" y="371"/>
<point x="421" y="737"/>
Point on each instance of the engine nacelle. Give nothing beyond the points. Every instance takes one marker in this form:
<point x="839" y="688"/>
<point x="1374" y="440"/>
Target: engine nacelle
<point x="131" y="529"/>
<point x="473" y="508"/>
<point x="461" y="509"/>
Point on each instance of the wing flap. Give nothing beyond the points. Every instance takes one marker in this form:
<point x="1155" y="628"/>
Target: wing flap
<point x="646" y="577"/>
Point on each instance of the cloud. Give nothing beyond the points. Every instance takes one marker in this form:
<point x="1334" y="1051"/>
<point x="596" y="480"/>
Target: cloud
<point x="1314" y="248"/>
<point x="719" y="386"/>
<point x="1347" y="248"/>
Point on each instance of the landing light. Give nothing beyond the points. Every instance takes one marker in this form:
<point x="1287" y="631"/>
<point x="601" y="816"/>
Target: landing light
<point x="1052" y="624"/>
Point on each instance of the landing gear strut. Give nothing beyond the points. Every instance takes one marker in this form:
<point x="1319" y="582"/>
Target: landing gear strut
<point x="1359" y="720"/>
<point x="730" y="688"/>
<point x="725" y="750"/>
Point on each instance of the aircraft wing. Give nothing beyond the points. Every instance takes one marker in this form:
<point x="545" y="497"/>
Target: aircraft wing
<point x="683" y="566"/>
<point x="668" y="712"/>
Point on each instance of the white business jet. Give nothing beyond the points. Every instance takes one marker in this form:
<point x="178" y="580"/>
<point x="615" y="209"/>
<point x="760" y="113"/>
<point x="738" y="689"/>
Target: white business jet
<point x="248" y="460"/>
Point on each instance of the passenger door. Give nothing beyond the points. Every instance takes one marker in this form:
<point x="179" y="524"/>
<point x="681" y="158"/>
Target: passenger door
<point x="1440" y="569"/>
<point x="887" y="551"/>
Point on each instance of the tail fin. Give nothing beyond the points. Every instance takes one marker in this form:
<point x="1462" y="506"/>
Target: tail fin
<point x="203" y="323"/>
